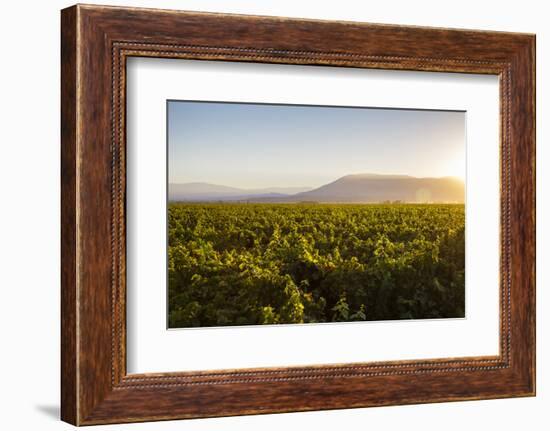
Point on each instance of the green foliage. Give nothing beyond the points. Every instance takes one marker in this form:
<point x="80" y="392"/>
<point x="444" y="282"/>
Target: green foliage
<point x="245" y="264"/>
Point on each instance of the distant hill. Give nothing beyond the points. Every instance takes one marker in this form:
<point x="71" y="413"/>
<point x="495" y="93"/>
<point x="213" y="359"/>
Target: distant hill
<point x="215" y="192"/>
<point x="350" y="188"/>
<point x="379" y="188"/>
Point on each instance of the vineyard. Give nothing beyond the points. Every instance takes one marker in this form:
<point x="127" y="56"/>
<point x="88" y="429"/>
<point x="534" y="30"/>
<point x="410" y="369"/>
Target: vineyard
<point x="252" y="264"/>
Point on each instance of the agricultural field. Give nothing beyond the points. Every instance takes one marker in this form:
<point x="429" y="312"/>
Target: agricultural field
<point x="253" y="264"/>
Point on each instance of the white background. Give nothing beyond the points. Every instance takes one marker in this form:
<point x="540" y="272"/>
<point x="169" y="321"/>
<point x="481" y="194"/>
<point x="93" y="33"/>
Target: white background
<point x="151" y="348"/>
<point x="29" y="225"/>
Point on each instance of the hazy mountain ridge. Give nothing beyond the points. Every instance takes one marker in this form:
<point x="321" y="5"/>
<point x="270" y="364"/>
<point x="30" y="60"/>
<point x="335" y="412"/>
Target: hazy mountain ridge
<point x="379" y="188"/>
<point x="213" y="192"/>
<point x="356" y="188"/>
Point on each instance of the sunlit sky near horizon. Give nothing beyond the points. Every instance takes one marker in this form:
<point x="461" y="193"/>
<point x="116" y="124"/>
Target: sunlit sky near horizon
<point x="257" y="145"/>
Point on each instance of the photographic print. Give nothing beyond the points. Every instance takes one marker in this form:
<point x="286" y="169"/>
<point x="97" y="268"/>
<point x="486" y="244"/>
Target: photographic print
<point x="298" y="214"/>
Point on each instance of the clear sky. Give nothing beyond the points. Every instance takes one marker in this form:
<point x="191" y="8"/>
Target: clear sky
<point x="257" y="145"/>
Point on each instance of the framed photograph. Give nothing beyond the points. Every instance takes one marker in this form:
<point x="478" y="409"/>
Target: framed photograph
<point x="263" y="214"/>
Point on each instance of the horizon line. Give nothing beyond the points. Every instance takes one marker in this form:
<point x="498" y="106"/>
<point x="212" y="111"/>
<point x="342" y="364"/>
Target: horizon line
<point x="313" y="187"/>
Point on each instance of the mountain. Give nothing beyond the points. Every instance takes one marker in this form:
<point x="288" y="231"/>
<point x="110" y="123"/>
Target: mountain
<point x="215" y="192"/>
<point x="379" y="188"/>
<point x="359" y="188"/>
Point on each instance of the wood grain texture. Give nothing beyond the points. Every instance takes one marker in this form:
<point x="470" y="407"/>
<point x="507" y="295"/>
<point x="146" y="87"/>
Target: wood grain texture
<point x="96" y="41"/>
<point x="69" y="366"/>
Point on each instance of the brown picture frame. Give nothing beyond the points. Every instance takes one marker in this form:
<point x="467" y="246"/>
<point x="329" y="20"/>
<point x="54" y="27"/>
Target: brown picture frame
<point x="95" y="43"/>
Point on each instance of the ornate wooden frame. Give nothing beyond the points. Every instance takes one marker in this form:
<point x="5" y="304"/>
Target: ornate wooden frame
<point x="95" y="43"/>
